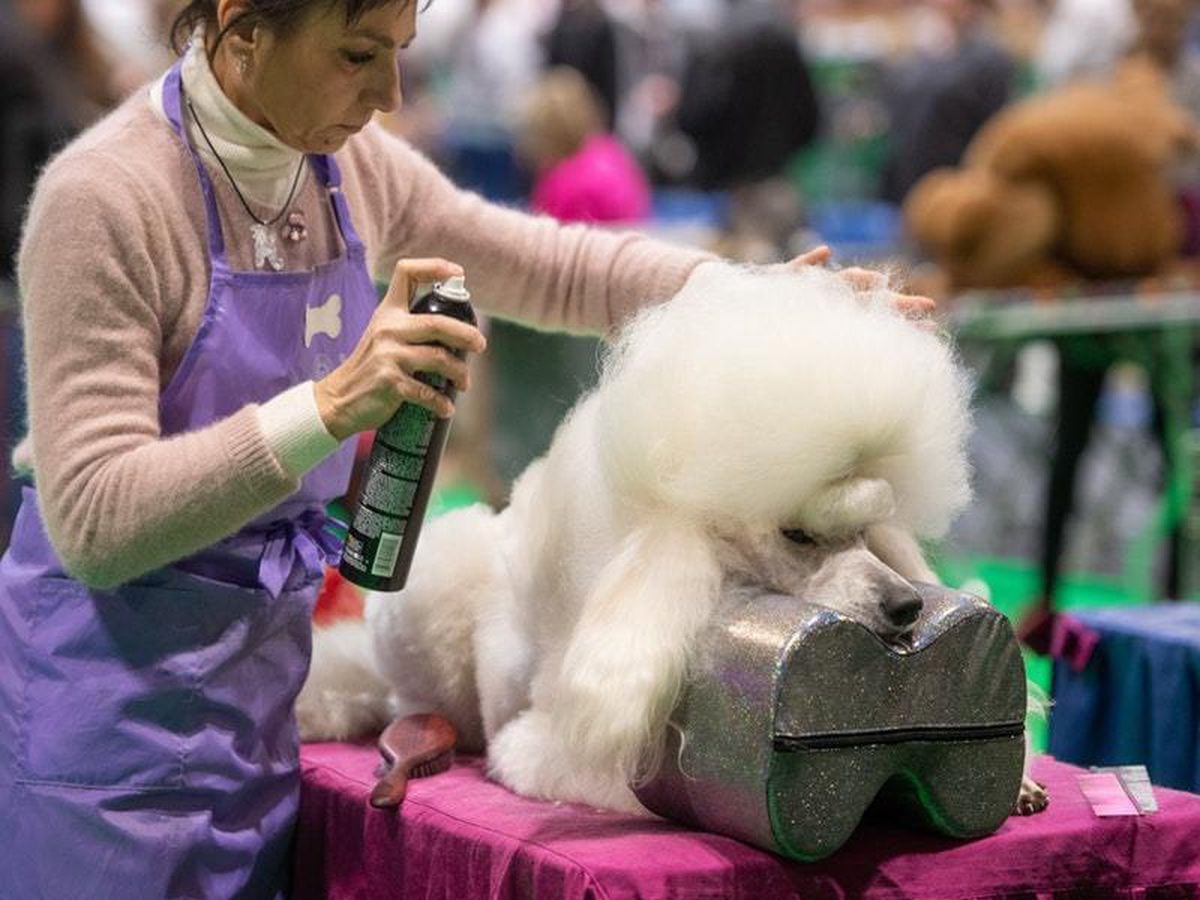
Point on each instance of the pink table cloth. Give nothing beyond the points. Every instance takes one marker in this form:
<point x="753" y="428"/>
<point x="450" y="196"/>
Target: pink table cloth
<point x="459" y="836"/>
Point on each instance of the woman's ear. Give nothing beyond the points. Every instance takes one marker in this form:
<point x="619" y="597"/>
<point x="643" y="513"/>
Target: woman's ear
<point x="239" y="27"/>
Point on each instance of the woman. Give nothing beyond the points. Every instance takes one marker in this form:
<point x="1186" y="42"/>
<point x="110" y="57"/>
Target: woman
<point x="210" y="248"/>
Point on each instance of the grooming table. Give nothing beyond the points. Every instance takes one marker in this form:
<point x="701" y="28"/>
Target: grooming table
<point x="1127" y="690"/>
<point x="461" y="836"/>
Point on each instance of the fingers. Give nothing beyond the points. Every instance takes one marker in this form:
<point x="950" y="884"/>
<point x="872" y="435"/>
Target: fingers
<point x="412" y="390"/>
<point x="914" y="305"/>
<point x="409" y="273"/>
<point x="863" y="279"/>
<point x="818" y="256"/>
<point x="866" y="280"/>
<point x="434" y="329"/>
<point x="429" y="358"/>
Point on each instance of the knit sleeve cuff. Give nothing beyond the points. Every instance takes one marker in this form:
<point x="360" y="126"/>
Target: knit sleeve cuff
<point x="294" y="429"/>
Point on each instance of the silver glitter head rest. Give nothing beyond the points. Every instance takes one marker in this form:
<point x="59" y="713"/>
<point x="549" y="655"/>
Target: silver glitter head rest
<point x="796" y="720"/>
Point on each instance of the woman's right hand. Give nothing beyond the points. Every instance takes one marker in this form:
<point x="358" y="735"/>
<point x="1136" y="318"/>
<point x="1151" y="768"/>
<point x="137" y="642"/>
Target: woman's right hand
<point x="379" y="374"/>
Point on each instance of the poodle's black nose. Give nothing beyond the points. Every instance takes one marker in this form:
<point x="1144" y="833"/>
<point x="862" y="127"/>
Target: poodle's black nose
<point x="902" y="606"/>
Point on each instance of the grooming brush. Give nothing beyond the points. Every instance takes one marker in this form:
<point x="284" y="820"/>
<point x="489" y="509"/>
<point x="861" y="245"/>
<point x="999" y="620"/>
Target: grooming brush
<point x="412" y="747"/>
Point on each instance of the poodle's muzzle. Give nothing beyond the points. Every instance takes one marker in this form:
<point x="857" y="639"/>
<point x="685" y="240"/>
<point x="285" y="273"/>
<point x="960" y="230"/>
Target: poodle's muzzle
<point x="898" y="604"/>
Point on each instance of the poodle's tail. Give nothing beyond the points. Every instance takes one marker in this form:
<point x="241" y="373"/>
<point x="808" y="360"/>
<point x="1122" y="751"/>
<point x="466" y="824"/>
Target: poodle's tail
<point x="344" y="697"/>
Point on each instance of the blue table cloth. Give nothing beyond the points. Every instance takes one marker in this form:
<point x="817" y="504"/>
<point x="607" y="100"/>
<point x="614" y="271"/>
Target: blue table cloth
<point x="1137" y="699"/>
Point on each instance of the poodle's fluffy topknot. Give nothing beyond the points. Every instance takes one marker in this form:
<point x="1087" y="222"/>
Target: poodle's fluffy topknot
<point x="753" y="390"/>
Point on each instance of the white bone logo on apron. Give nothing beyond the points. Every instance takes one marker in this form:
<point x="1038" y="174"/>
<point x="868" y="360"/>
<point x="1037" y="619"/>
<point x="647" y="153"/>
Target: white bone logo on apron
<point x="325" y="319"/>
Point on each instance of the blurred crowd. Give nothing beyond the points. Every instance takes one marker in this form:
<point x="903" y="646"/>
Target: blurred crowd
<point x="589" y="109"/>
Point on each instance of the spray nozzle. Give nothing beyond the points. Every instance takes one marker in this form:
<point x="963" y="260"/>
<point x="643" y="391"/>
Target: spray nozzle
<point x="454" y="288"/>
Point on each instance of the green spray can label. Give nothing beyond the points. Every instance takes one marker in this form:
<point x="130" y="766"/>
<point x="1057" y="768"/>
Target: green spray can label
<point x="394" y="494"/>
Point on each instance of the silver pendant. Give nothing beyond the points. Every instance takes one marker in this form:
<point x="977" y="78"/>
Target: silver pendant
<point x="266" y="248"/>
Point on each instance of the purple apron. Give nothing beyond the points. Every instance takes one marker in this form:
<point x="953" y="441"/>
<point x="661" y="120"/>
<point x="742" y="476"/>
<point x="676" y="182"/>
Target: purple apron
<point x="147" y="742"/>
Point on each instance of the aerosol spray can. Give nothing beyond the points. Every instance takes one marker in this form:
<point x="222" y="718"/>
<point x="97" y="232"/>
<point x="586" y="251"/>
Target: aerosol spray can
<point x="395" y="488"/>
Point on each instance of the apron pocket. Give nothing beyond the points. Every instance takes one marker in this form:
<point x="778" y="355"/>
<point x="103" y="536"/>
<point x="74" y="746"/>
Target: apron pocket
<point x="167" y="682"/>
<point x="113" y="678"/>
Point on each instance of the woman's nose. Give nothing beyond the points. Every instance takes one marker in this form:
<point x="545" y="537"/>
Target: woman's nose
<point x="385" y="94"/>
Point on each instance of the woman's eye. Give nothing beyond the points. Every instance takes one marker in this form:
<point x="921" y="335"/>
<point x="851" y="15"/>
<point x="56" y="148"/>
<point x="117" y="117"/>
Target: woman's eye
<point x="357" y="59"/>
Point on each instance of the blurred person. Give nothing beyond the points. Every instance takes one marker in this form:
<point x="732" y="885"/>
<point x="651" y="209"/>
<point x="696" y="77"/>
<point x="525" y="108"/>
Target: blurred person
<point x="99" y="77"/>
<point x="1083" y="39"/>
<point x="1162" y="28"/>
<point x="652" y="37"/>
<point x="39" y="111"/>
<point x="937" y="103"/>
<point x="584" y="37"/>
<point x="493" y="56"/>
<point x="582" y="172"/>
<point x="1159" y="51"/>
<point x="747" y="101"/>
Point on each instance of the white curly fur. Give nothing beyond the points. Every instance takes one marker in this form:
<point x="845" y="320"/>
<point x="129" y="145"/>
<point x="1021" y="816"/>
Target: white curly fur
<point x="557" y="632"/>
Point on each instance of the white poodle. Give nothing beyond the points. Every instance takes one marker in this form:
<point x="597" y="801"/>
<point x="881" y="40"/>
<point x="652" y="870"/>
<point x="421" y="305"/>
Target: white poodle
<point x="770" y="427"/>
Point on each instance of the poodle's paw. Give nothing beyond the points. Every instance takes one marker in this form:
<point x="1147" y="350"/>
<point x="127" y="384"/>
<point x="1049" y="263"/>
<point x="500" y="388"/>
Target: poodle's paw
<point x="522" y="752"/>
<point x="528" y="758"/>
<point x="1032" y="798"/>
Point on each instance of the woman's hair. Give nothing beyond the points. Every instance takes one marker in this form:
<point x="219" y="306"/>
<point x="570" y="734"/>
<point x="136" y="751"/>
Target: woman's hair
<point x="278" y="16"/>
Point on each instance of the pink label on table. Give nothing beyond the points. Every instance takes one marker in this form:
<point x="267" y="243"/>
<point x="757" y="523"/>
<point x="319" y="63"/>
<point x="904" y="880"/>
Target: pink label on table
<point x="1107" y="797"/>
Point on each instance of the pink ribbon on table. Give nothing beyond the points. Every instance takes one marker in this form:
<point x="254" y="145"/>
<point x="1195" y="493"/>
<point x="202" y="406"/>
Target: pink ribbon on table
<point x="1072" y="642"/>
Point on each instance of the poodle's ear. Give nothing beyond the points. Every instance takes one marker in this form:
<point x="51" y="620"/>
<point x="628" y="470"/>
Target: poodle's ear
<point x="624" y="668"/>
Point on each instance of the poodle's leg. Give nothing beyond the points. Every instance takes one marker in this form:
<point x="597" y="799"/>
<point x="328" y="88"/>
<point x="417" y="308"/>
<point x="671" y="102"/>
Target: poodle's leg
<point x="423" y="635"/>
<point x="1032" y="798"/>
<point x="624" y="665"/>
<point x="344" y="695"/>
<point x="503" y="659"/>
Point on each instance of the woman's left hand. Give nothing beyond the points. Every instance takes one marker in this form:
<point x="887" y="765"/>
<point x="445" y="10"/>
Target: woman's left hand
<point x="864" y="281"/>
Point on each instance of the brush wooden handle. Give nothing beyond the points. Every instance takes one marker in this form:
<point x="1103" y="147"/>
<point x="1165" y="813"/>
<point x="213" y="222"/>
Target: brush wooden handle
<point x="412" y="747"/>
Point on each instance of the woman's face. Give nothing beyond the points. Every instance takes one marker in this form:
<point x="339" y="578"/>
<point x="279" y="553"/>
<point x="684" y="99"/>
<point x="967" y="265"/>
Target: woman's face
<point x="322" y="83"/>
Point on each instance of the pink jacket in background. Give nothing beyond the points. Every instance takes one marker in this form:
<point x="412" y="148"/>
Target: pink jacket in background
<point x="600" y="183"/>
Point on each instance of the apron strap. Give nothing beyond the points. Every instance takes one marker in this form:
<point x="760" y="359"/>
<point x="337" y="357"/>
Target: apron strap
<point x="173" y="107"/>
<point x="327" y="170"/>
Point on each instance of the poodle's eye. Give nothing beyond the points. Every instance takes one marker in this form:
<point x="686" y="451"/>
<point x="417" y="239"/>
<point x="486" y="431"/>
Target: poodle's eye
<point x="796" y="536"/>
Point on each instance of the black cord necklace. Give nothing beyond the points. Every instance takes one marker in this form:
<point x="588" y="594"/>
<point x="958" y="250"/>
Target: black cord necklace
<point x="266" y="247"/>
